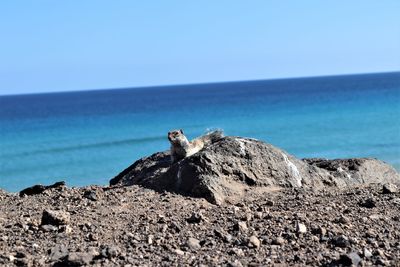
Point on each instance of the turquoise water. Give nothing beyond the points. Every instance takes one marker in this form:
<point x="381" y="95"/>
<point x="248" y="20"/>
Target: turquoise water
<point x="89" y="137"/>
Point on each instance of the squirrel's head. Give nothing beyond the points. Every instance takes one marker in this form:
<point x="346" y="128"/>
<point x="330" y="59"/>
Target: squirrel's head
<point x="176" y="136"/>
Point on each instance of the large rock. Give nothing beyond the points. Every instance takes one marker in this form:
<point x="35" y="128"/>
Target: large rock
<point x="232" y="167"/>
<point x="38" y="189"/>
<point x="358" y="170"/>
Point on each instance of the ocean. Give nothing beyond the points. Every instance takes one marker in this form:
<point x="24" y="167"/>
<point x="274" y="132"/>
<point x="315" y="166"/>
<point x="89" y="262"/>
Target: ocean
<point x="88" y="137"/>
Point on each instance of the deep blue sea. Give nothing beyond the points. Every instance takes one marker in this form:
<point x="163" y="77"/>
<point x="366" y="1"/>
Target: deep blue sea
<point x="89" y="137"/>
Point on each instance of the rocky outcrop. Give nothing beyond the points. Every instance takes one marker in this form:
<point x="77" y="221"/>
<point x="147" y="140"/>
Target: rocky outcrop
<point x="234" y="167"/>
<point x="358" y="170"/>
<point x="38" y="189"/>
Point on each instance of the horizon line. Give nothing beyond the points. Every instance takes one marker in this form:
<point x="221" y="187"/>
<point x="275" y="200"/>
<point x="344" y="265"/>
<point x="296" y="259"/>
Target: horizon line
<point x="200" y="83"/>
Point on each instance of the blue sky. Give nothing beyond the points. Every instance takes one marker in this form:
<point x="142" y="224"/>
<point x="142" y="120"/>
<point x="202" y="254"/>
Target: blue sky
<point x="49" y="46"/>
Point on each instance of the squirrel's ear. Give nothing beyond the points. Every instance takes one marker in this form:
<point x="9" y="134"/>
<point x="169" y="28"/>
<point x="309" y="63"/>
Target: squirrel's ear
<point x="181" y="131"/>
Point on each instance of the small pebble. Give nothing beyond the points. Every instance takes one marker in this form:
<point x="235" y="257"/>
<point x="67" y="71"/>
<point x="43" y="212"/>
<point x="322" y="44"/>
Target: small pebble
<point x="193" y="243"/>
<point x="278" y="241"/>
<point x="254" y="241"/>
<point x="301" y="228"/>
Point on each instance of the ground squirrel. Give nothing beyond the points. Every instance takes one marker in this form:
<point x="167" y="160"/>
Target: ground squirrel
<point x="182" y="148"/>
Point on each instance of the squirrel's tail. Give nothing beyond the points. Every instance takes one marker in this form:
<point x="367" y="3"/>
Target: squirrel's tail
<point x="212" y="137"/>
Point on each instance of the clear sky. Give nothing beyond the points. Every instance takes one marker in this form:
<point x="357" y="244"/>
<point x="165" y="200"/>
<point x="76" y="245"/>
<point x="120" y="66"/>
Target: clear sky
<point x="49" y="46"/>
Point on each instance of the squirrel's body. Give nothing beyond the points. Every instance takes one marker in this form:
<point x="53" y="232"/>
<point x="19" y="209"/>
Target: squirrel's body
<point x="181" y="147"/>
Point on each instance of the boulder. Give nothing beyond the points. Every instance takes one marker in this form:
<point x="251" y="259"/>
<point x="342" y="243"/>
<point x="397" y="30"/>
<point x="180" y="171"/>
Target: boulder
<point x="233" y="167"/>
<point x="357" y="170"/>
<point x="38" y="189"/>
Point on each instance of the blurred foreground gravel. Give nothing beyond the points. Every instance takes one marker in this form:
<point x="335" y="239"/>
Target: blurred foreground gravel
<point x="133" y="226"/>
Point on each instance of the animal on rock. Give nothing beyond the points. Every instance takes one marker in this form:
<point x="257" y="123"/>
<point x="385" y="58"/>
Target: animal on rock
<point x="181" y="147"/>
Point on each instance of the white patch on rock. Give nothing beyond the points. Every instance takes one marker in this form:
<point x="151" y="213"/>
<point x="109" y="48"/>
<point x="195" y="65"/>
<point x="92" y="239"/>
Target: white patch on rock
<point x="242" y="146"/>
<point x="293" y="169"/>
<point x="242" y="143"/>
<point x="348" y="176"/>
<point x="247" y="140"/>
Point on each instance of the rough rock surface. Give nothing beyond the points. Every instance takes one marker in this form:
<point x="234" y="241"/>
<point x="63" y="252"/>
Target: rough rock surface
<point x="38" y="189"/>
<point x="134" y="226"/>
<point x="233" y="167"/>
<point x="358" y="170"/>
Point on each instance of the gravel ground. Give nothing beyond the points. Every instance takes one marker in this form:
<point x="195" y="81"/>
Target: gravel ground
<point x="132" y="226"/>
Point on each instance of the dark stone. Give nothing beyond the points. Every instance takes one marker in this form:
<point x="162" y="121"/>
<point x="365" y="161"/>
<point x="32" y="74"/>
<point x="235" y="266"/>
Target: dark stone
<point x="93" y="194"/>
<point x="341" y="241"/>
<point x="33" y="190"/>
<point x="269" y="202"/>
<point x="55" y="217"/>
<point x="318" y="230"/>
<point x="368" y="203"/>
<point x="351" y="259"/>
<point x="23" y="262"/>
<point x="278" y="241"/>
<point x="38" y="189"/>
<point x="195" y="218"/>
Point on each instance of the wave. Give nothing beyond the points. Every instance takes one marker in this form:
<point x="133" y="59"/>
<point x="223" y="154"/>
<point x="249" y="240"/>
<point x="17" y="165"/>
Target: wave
<point x="87" y="146"/>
